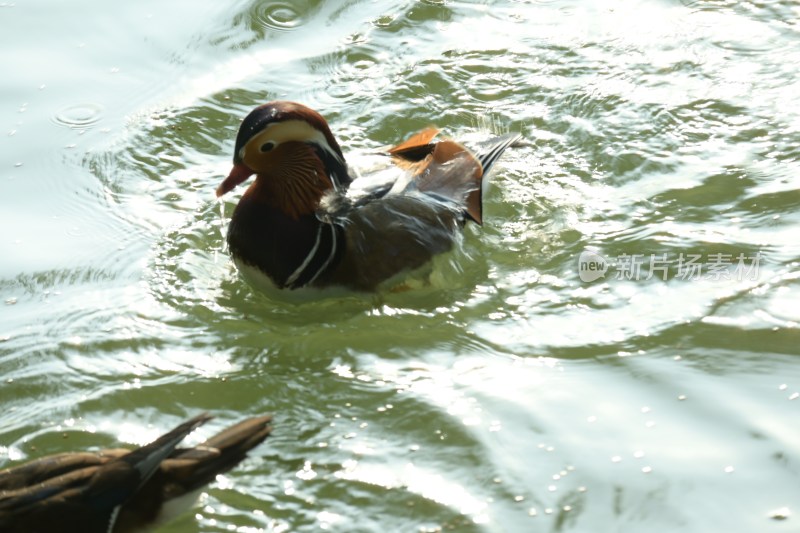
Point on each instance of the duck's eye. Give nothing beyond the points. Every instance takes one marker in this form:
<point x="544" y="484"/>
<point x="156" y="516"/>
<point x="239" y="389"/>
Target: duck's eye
<point x="267" y="146"/>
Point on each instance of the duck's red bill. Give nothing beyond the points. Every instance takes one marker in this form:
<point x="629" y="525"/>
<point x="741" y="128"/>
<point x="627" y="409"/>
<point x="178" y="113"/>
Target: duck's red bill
<point x="239" y="173"/>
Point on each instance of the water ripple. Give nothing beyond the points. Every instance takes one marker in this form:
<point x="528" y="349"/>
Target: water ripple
<point x="79" y="116"/>
<point x="281" y="16"/>
<point x="651" y="128"/>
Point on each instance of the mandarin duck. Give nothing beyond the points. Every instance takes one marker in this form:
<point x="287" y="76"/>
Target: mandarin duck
<point x="306" y="221"/>
<point x="119" y="490"/>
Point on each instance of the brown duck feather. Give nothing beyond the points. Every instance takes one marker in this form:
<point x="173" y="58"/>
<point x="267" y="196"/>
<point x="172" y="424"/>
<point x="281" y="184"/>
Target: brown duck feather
<point x="119" y="490"/>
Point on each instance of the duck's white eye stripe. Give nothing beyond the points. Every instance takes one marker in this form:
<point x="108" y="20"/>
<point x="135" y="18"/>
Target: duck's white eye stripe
<point x="293" y="130"/>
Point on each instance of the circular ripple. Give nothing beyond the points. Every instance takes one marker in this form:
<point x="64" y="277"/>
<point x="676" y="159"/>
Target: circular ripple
<point x="278" y="16"/>
<point x="79" y="116"/>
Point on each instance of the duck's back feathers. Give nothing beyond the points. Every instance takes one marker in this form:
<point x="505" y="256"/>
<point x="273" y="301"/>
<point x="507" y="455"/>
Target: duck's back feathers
<point x="399" y="233"/>
<point x="447" y="169"/>
<point x="119" y="490"/>
<point x="79" y="492"/>
<point x="50" y="467"/>
<point x="398" y="224"/>
<point x="177" y="483"/>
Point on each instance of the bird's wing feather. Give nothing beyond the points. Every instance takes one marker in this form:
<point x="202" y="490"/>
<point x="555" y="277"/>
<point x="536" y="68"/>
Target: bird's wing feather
<point x="398" y="233"/>
<point x="416" y="147"/>
<point x="181" y="476"/>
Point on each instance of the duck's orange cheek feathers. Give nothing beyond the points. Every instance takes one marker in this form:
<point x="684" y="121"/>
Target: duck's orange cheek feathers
<point x="239" y="173"/>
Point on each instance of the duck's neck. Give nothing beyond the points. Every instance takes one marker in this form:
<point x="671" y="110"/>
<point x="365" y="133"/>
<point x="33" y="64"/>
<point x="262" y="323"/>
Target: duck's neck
<point x="295" y="197"/>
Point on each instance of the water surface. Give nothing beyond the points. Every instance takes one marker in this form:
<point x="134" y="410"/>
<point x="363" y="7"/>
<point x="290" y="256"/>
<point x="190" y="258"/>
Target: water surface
<point x="507" y="393"/>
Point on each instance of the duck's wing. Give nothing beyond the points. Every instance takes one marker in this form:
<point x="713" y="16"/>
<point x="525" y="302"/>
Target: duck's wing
<point x="75" y="492"/>
<point x="452" y="171"/>
<point x="394" y="234"/>
<point x="415" y="148"/>
<point x="183" y="475"/>
<point x="412" y="209"/>
<point x="377" y="174"/>
<point x="230" y="446"/>
<point x="46" y="468"/>
<point x="445" y="169"/>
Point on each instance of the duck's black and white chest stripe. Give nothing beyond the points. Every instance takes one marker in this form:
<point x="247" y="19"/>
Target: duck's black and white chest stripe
<point x="320" y="258"/>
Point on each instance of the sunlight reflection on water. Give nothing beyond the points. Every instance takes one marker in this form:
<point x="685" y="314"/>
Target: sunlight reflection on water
<point x="501" y="394"/>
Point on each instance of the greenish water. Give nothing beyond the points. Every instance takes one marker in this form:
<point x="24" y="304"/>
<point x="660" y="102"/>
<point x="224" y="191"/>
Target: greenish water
<point x="506" y="395"/>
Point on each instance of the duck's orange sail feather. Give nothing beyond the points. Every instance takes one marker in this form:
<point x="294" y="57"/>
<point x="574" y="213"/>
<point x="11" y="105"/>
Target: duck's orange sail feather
<point x="415" y="147"/>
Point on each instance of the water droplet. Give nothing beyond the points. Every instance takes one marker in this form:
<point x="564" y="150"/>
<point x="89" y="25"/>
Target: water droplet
<point x="75" y="340"/>
<point x="780" y="514"/>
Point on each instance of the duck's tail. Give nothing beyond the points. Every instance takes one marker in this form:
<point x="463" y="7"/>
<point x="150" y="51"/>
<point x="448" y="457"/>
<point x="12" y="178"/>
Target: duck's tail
<point x="489" y="151"/>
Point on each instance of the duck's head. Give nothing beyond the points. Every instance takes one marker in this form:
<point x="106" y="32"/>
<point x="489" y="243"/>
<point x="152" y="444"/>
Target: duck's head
<point x="291" y="147"/>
